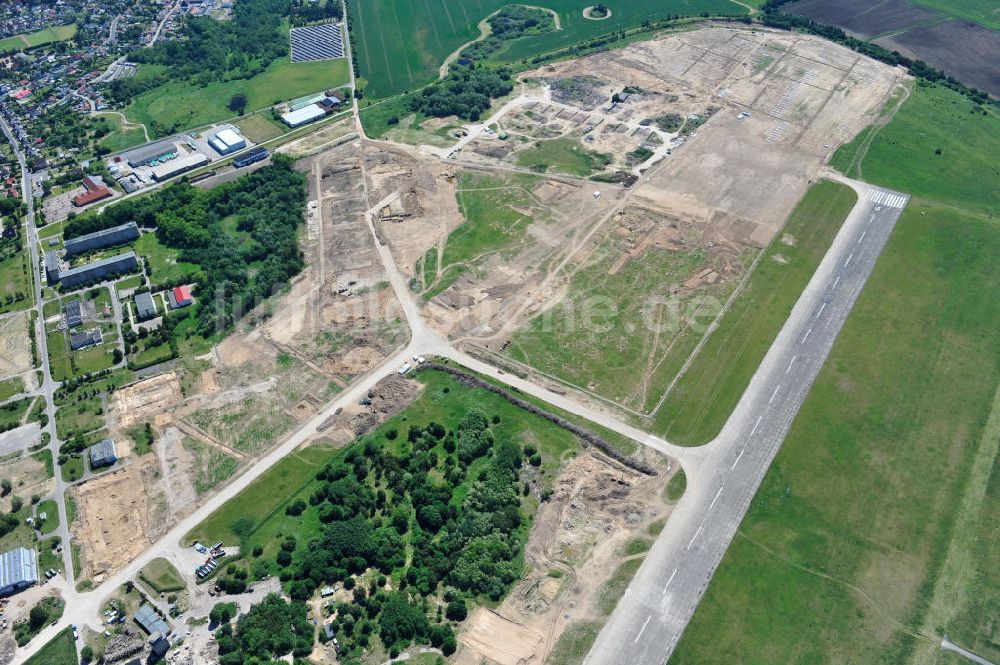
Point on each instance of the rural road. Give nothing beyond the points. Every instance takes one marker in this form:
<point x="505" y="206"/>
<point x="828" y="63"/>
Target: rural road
<point x="652" y="615"/>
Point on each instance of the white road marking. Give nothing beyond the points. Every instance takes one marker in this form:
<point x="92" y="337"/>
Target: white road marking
<point x="820" y="312"/>
<point x="790" y="363"/>
<point x="696" y="534"/>
<point x="738" y="458"/>
<point x="774" y="394"/>
<point x="848" y="261"/>
<point x="804" y="338"/>
<point x="836" y="281"/>
<point x="759" y="418"/>
<point x="862" y="236"/>
<point x="669" y="581"/>
<point x="715" y="499"/>
<point x="643" y="627"/>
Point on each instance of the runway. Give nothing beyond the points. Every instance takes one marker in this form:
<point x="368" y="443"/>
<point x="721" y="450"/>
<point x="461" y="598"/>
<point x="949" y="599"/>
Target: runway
<point x="663" y="595"/>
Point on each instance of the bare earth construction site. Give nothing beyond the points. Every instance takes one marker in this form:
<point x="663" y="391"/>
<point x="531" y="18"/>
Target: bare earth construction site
<point x="737" y="122"/>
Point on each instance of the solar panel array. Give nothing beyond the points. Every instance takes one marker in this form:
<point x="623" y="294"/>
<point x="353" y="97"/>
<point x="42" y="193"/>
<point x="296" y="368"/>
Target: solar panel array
<point x="317" y="42"/>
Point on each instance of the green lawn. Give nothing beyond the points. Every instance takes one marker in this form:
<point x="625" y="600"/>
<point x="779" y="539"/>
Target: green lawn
<point x="878" y="518"/>
<point x="120" y="138"/>
<point x="161" y="575"/>
<point x="492" y="225"/>
<point x="562" y="155"/>
<point x="259" y="127"/>
<point x="51" y="511"/>
<point x="46" y="36"/>
<point x="79" y="417"/>
<point x="164" y="265"/>
<point x="705" y="396"/>
<point x="965" y="172"/>
<point x="400" y="46"/>
<point x="15" y="283"/>
<point x="72" y="470"/>
<point x="182" y="105"/>
<point x="574" y="643"/>
<point x="60" y="650"/>
<point x="10" y="387"/>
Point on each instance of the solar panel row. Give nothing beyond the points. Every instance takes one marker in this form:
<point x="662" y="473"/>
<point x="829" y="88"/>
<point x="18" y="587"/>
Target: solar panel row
<point x="317" y="42"/>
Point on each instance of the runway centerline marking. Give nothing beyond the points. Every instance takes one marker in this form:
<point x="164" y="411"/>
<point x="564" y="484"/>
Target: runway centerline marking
<point x="836" y="281"/>
<point x="696" y="534"/>
<point x="806" y="336"/>
<point x="738" y="458"/>
<point x="862" y="236"/>
<point x="791" y="362"/>
<point x="715" y="499"/>
<point x="821" y="308"/>
<point x="774" y="394"/>
<point x="669" y="581"/>
<point x="643" y="628"/>
<point x="759" y="418"/>
<point x="848" y="261"/>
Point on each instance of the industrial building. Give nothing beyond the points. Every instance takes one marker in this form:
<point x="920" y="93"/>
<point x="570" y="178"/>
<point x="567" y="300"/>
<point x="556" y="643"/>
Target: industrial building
<point x="227" y="141"/>
<point x="251" y="156"/>
<point x="116" y="235"/>
<point x="178" y="166"/>
<point x="94" y="190"/>
<point x="51" y="266"/>
<point x="18" y="570"/>
<point x="150" y="621"/>
<point x="81" y="340"/>
<point x="180" y="297"/>
<point x="145" y="308"/>
<point x="74" y="313"/>
<point x="98" y="270"/>
<point x="102" y="453"/>
<point x="148" y="154"/>
<point x="303" y="116"/>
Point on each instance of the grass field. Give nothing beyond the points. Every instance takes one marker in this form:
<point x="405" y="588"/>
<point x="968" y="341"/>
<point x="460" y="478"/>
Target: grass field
<point x="60" y="650"/>
<point x="562" y="155"/>
<point x="120" y="138"/>
<point x="15" y="283"/>
<point x="163" y="263"/>
<point x="964" y="174"/>
<point x="10" y="387"/>
<point x="875" y="529"/>
<point x="259" y="127"/>
<point x="182" y="105"/>
<point x="621" y="331"/>
<point x="161" y="575"/>
<point x="212" y="466"/>
<point x="51" y="511"/>
<point x="612" y="590"/>
<point x="47" y="36"/>
<point x="574" y="643"/>
<point x="261" y="505"/>
<point x="492" y="224"/>
<point x="984" y="12"/>
<point x="705" y="396"/>
<point x="400" y="46"/>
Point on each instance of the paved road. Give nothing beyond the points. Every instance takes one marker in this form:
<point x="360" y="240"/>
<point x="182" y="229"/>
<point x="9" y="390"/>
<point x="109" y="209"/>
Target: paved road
<point x="662" y="597"/>
<point x="948" y="645"/>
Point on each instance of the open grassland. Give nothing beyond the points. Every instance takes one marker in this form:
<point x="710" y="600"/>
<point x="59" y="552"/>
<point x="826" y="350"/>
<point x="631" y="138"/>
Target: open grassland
<point x="121" y="137"/>
<point x="258" y="514"/>
<point x="161" y="575"/>
<point x="964" y="174"/>
<point x="60" y="650"/>
<point x="875" y="531"/>
<point x="707" y="393"/>
<point x="260" y="127"/>
<point x="562" y="155"/>
<point x="182" y="105"/>
<point x="984" y="12"/>
<point x="400" y="46"/>
<point x="47" y="36"/>
<point x="497" y="210"/>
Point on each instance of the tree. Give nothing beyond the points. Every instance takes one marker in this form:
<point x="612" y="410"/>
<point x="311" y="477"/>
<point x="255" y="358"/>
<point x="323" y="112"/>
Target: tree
<point x="237" y="103"/>
<point x="16" y="503"/>
<point x="457" y="610"/>
<point x="5" y="486"/>
<point x="37" y="617"/>
<point x="222" y="613"/>
<point x="87" y="653"/>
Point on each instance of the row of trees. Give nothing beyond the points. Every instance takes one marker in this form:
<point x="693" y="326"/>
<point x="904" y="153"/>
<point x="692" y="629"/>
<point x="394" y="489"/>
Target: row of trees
<point x="466" y="92"/>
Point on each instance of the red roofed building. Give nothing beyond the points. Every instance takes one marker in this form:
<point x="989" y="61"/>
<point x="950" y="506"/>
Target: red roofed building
<point x="180" y="296"/>
<point x="96" y="190"/>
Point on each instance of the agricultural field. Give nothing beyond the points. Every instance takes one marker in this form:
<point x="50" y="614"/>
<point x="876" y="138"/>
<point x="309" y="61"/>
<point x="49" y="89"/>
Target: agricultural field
<point x="177" y="106"/>
<point x="47" y="36"/>
<point x="983" y="12"/>
<point x="394" y="58"/>
<point x="694" y="412"/>
<point x="878" y="512"/>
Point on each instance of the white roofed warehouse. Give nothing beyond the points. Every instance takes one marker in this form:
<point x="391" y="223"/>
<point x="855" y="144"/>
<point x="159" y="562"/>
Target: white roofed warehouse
<point x="227" y="141"/>
<point x="18" y="570"/>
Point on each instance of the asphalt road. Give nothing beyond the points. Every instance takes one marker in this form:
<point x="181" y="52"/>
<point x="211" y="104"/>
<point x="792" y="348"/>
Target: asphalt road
<point x="656" y="608"/>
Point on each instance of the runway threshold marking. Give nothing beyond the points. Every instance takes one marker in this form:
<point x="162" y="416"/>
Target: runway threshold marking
<point x="668" y="582"/>
<point x="696" y="534"/>
<point x="643" y="628"/>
